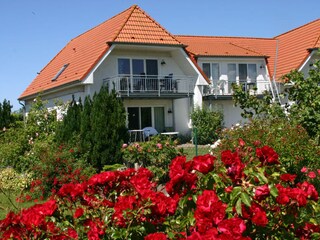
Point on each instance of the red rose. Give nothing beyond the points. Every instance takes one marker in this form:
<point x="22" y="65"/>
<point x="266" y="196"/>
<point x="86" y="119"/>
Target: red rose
<point x="228" y="189"/>
<point x="309" y="190"/>
<point x="233" y="227"/>
<point x="235" y="171"/>
<point x="312" y="175"/>
<point x="229" y="158"/>
<point x="241" y="142"/>
<point x="155" y="236"/>
<point x="259" y="216"/>
<point x="78" y="213"/>
<point x="262" y="192"/>
<point x="72" y="233"/>
<point x="210" y="210"/>
<point x="204" y="164"/>
<point x="267" y="155"/>
<point x="286" y="177"/>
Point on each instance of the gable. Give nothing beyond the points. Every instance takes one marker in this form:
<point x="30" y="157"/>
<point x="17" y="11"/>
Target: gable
<point x="82" y="53"/>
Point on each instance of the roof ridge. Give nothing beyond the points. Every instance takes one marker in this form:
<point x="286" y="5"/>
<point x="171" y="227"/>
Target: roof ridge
<point x="159" y="25"/>
<point x="124" y="23"/>
<point x="248" y="49"/>
<point x="199" y="36"/>
<point x="296" y="28"/>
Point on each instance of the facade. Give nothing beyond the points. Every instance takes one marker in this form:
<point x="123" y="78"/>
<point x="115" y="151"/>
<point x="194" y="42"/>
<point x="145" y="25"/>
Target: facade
<point x="161" y="77"/>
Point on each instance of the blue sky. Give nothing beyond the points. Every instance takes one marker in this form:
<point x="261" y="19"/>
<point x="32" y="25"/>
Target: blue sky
<point x="34" y="31"/>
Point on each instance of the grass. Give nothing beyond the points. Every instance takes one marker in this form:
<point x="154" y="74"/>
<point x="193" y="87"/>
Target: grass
<point x="8" y="203"/>
<point x="190" y="150"/>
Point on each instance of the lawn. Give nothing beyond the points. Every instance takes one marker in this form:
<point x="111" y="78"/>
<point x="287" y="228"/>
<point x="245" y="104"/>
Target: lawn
<point x="8" y="203"/>
<point x="190" y="150"/>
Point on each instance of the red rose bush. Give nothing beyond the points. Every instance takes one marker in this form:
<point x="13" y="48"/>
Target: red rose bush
<point x="245" y="194"/>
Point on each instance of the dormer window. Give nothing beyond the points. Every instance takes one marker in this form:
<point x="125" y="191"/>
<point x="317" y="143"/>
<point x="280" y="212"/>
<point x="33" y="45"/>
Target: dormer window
<point x="60" y="72"/>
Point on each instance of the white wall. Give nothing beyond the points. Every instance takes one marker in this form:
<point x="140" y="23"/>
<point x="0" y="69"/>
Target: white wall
<point x="60" y="97"/>
<point x="181" y="112"/>
<point x="231" y="113"/>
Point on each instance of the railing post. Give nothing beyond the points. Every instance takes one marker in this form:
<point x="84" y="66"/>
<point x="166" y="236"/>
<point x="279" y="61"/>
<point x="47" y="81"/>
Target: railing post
<point x="159" y="86"/>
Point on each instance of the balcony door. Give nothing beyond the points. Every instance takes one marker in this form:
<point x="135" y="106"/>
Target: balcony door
<point x="144" y="71"/>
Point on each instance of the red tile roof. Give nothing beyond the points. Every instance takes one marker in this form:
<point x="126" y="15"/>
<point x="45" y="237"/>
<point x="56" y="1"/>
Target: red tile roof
<point x="231" y="47"/>
<point x="83" y="52"/>
<point x="135" y="26"/>
<point x="294" y="46"/>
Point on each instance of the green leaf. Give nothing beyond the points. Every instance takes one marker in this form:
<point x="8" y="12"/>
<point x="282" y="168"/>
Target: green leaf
<point x="245" y="198"/>
<point x="260" y="177"/>
<point x="273" y="190"/>
<point x="238" y="207"/>
<point x="235" y="194"/>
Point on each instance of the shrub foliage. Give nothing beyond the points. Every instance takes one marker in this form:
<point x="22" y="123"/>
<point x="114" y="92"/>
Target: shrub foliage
<point x="246" y="195"/>
<point x="207" y="124"/>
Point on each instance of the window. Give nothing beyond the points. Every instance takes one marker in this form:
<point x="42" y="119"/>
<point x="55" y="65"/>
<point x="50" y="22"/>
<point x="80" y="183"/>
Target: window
<point x="215" y="71"/>
<point x="206" y="69"/>
<point x="138" y="66"/>
<point x="60" y="72"/>
<point x="243" y="72"/>
<point x="232" y="76"/>
<point x="211" y="70"/>
<point x="232" y="73"/>
<point x="123" y="66"/>
<point x="247" y="72"/>
<point x="252" y="72"/>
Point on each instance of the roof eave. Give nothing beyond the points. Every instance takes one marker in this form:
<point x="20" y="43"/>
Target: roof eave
<point x="230" y="56"/>
<point x="51" y="90"/>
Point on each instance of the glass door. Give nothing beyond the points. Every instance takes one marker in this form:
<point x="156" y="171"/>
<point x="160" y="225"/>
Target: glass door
<point x="133" y="118"/>
<point x="159" y="119"/>
<point x="146" y="117"/>
<point x="152" y="74"/>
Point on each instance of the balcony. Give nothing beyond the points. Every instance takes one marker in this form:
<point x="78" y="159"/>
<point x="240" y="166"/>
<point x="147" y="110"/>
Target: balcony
<point x="224" y="87"/>
<point x="152" y="85"/>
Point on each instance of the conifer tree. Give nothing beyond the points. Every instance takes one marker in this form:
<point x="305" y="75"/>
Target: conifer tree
<point x="85" y="128"/>
<point x="5" y="114"/>
<point x="70" y="126"/>
<point x="109" y="130"/>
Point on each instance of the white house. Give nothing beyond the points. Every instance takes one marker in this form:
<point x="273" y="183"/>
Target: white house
<point x="161" y="77"/>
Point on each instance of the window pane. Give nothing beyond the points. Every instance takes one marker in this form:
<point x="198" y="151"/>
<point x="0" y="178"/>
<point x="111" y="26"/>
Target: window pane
<point x="133" y="118"/>
<point x="232" y="72"/>
<point x="152" y="67"/>
<point x="123" y="66"/>
<point x="215" y="71"/>
<point x="137" y="66"/>
<point x="243" y="72"/>
<point x="146" y="120"/>
<point x="252" y="72"/>
<point x="206" y="69"/>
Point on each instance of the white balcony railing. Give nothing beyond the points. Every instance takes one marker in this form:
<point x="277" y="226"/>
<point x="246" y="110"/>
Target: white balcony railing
<point x="224" y="87"/>
<point x="151" y="84"/>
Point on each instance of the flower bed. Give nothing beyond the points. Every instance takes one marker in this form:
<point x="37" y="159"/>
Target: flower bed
<point x="246" y="195"/>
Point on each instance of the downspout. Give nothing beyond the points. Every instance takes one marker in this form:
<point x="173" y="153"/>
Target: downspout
<point x="275" y="71"/>
<point x="23" y="111"/>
